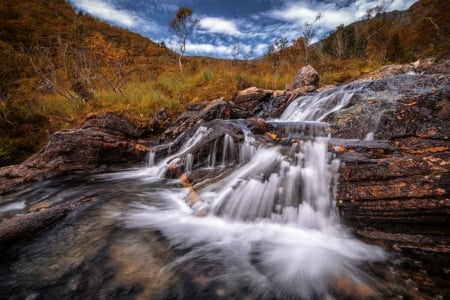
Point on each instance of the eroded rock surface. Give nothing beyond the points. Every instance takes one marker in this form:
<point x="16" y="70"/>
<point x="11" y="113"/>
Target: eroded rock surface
<point x="398" y="192"/>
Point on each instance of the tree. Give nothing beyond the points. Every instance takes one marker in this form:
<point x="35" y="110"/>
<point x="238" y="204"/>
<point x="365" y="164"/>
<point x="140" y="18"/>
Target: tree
<point x="342" y="43"/>
<point x="235" y="52"/>
<point x="182" y="25"/>
<point x="375" y="10"/>
<point x="396" y="52"/>
<point x="277" y="56"/>
<point x="308" y="34"/>
<point x="109" y="62"/>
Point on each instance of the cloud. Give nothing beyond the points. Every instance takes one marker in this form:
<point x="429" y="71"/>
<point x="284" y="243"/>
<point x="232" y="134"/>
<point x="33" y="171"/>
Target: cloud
<point x="334" y="13"/>
<point x="400" y="4"/>
<point x="221" y="50"/>
<point x="219" y="25"/>
<point x="120" y="17"/>
<point x="298" y="13"/>
<point x="106" y="11"/>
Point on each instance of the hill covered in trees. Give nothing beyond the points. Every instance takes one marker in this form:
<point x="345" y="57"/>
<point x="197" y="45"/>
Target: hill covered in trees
<point x="58" y="66"/>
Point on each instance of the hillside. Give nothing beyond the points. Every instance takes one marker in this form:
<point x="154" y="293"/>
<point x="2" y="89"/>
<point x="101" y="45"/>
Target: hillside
<point x="58" y="66"/>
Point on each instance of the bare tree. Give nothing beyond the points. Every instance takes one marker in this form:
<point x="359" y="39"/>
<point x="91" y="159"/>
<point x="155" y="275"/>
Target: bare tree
<point x="235" y="52"/>
<point x="375" y="10"/>
<point x="308" y="34"/>
<point x="276" y="53"/>
<point x="182" y="25"/>
<point x="339" y="42"/>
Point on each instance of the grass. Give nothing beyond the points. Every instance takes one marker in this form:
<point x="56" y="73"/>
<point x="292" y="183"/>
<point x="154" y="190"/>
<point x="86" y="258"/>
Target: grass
<point x="149" y="91"/>
<point x="203" y="81"/>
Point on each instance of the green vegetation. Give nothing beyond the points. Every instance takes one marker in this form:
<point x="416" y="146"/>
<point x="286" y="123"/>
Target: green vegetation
<point x="58" y="66"/>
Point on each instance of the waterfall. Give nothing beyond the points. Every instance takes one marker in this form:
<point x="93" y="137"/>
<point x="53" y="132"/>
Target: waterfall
<point x="151" y="158"/>
<point x="317" y="107"/>
<point x="273" y="219"/>
<point x="248" y="149"/>
<point x="228" y="149"/>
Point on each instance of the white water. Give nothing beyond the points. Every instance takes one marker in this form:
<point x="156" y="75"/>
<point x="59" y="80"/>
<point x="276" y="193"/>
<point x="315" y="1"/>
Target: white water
<point x="272" y="220"/>
<point x="317" y="107"/>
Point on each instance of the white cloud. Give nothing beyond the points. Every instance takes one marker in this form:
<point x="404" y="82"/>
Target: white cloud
<point x="332" y="14"/>
<point x="106" y="11"/>
<point x="219" y="25"/>
<point x="400" y="4"/>
<point x="216" y="49"/>
<point x="299" y="14"/>
<point x="123" y="18"/>
<point x="208" y="49"/>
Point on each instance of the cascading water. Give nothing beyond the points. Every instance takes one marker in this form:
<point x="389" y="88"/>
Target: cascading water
<point x="261" y="224"/>
<point x="273" y="219"/>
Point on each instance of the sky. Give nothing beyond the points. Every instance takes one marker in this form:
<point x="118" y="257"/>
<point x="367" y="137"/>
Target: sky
<point x="251" y="24"/>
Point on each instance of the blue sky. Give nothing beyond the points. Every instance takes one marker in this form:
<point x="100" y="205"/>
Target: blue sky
<point x="252" y="25"/>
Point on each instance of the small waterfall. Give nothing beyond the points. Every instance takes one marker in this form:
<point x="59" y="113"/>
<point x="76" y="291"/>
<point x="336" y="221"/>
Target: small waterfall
<point x="273" y="218"/>
<point x="151" y="158"/>
<point x="201" y="132"/>
<point x="189" y="162"/>
<point x="317" y="107"/>
<point x="248" y="148"/>
<point x="228" y="149"/>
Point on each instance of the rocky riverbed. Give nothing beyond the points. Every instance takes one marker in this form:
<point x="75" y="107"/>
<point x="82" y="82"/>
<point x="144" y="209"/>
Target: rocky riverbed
<point x="389" y="141"/>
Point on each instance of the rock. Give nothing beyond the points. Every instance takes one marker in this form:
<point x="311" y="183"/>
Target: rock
<point x="395" y="190"/>
<point x="326" y="88"/>
<point x="196" y="113"/>
<point x="249" y="101"/>
<point x="421" y="66"/>
<point x="26" y="225"/>
<point x="104" y="142"/>
<point x="305" y="76"/>
<point x="158" y="122"/>
<point x="386" y="71"/>
<point x="279" y="93"/>
<point x="114" y="124"/>
<point x="297" y="92"/>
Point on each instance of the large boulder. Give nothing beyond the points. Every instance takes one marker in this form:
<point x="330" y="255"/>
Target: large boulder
<point x="306" y="76"/>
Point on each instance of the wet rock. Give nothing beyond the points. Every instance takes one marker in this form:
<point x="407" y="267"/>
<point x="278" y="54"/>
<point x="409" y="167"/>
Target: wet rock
<point x="306" y="76"/>
<point x="397" y="106"/>
<point x="277" y="103"/>
<point x="430" y="65"/>
<point x="249" y="101"/>
<point x="81" y="149"/>
<point x="196" y="113"/>
<point x="395" y="190"/>
<point x="26" y="225"/>
<point x="211" y="142"/>
<point x="158" y="122"/>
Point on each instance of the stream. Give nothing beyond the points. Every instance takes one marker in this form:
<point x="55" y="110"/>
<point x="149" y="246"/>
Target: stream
<point x="265" y="226"/>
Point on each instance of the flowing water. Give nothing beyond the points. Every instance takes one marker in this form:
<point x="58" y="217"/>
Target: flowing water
<point x="265" y="228"/>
